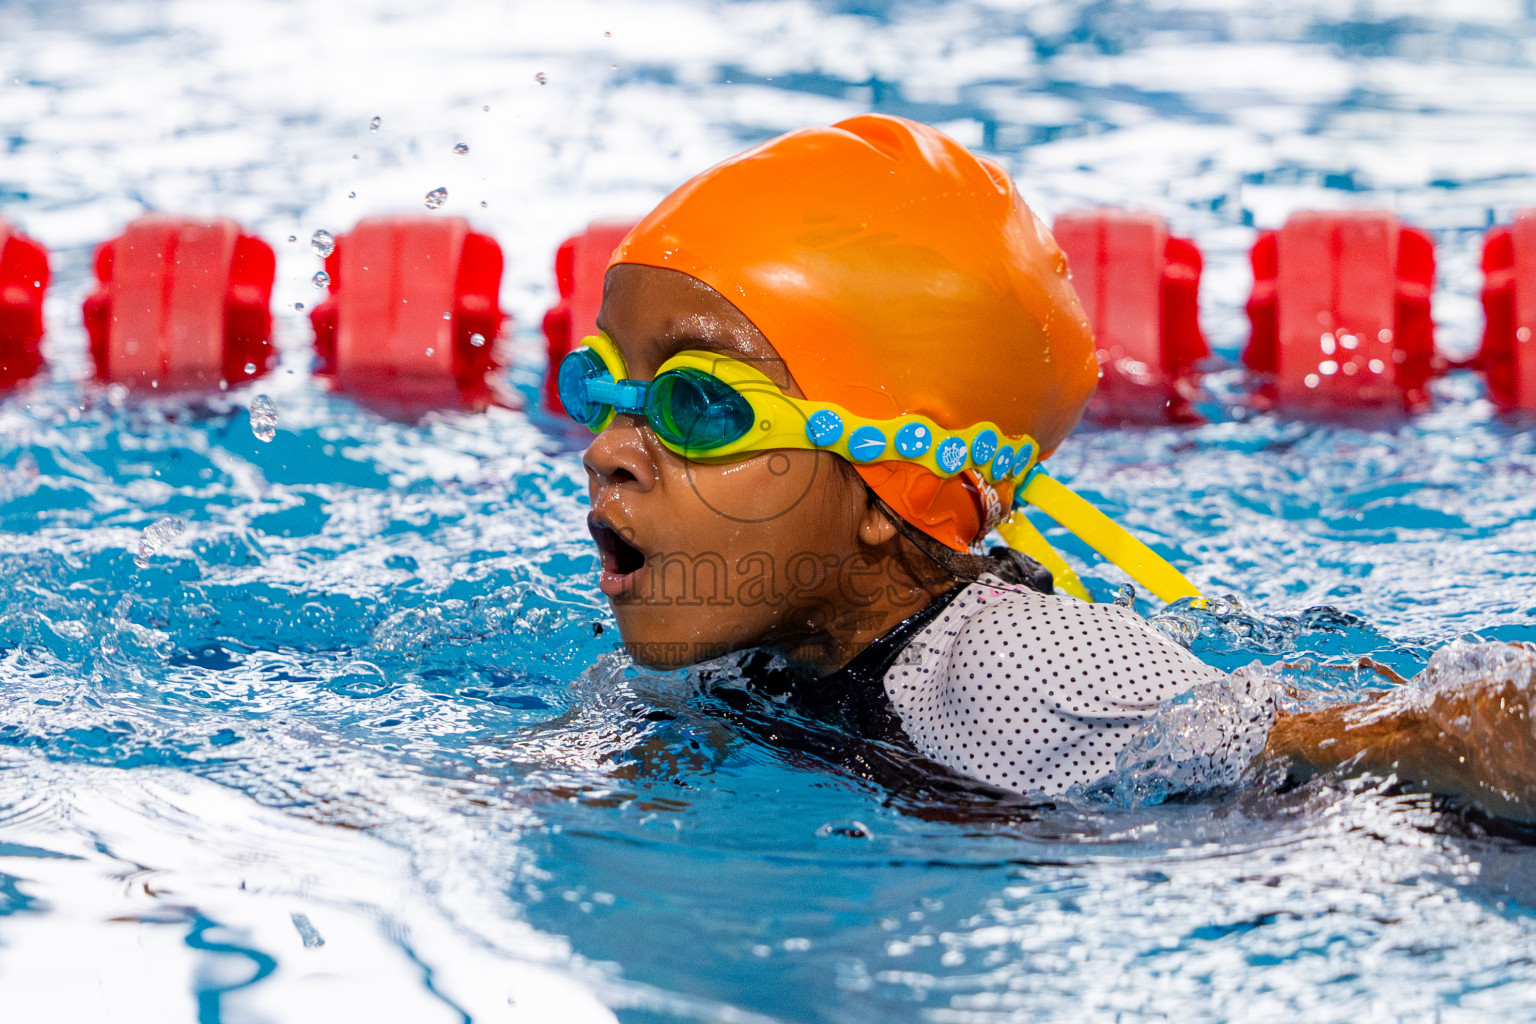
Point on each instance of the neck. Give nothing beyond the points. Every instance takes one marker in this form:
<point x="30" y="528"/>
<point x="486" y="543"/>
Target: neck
<point x="835" y="637"/>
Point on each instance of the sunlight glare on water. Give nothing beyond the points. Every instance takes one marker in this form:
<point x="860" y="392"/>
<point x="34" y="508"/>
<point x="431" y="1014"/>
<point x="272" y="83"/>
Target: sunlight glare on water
<point x="352" y="681"/>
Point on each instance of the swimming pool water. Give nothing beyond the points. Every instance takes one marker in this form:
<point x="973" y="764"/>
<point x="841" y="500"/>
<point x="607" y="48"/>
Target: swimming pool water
<point x="356" y="741"/>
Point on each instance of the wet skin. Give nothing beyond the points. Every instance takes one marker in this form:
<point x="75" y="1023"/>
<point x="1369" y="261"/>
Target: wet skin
<point x="759" y="527"/>
<point x="780" y="550"/>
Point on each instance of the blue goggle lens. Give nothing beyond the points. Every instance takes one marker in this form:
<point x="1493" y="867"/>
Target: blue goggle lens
<point x="576" y="370"/>
<point x="696" y="411"/>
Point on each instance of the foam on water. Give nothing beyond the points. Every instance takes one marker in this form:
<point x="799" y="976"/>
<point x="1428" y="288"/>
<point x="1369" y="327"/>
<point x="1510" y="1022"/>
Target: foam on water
<point x="186" y="900"/>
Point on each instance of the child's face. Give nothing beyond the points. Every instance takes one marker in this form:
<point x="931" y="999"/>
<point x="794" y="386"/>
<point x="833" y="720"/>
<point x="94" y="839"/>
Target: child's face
<point x="779" y="549"/>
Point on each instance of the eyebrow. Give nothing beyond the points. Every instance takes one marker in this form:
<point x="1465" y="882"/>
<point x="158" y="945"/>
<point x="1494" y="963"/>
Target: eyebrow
<point x="666" y="345"/>
<point x="771" y="366"/>
<point x="672" y="344"/>
<point x="718" y="336"/>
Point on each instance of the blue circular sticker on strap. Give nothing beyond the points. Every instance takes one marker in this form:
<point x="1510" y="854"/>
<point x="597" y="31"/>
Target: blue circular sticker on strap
<point x="1002" y="464"/>
<point x="913" y="439"/>
<point x="951" y="454"/>
<point x="984" y="447"/>
<point x="824" y="427"/>
<point x="1021" y="460"/>
<point x="866" y="444"/>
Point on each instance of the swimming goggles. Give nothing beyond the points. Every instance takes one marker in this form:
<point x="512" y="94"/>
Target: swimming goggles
<point x="706" y="406"/>
<point x="710" y="407"/>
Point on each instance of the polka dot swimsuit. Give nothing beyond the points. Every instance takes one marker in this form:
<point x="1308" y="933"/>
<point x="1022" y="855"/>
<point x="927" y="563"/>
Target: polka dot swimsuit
<point x="1033" y="692"/>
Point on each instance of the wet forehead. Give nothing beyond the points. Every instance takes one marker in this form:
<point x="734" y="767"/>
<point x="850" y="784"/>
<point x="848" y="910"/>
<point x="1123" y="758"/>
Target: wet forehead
<point x="652" y="314"/>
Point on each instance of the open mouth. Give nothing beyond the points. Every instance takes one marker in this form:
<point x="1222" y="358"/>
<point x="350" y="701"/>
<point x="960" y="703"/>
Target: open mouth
<point x="620" y="558"/>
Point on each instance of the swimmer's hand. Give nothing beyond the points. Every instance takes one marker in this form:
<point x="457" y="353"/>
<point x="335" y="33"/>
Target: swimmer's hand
<point x="1470" y="738"/>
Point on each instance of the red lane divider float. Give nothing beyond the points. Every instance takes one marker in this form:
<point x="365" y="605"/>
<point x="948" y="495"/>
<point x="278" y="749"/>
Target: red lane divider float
<point x="1340" y="309"/>
<point x="181" y="302"/>
<point x="1508" y="355"/>
<point x="1140" y="287"/>
<point x="23" y="280"/>
<point x="1340" y="312"/>
<point x="413" y="317"/>
<point x="580" y="264"/>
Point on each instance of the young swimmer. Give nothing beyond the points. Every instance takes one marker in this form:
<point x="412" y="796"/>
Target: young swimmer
<point x="827" y="369"/>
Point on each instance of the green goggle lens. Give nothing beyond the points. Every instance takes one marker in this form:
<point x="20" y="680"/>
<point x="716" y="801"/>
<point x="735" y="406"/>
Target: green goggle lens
<point x="696" y="411"/>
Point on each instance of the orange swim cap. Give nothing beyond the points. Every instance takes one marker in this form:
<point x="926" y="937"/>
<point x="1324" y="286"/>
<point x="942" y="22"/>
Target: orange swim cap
<point x="895" y="273"/>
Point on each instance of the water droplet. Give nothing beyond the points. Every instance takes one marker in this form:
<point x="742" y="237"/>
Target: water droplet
<point x="1312" y="380"/>
<point x="323" y="242"/>
<point x="117" y="394"/>
<point x="447" y="314"/>
<point x="431" y="351"/>
<point x="476" y="340"/>
<point x="437" y="197"/>
<point x="486" y="108"/>
<point x="298" y="305"/>
<point x="461" y="149"/>
<point x="373" y="125"/>
<point x="156" y="536"/>
<point x="351" y="195"/>
<point x="307" y="932"/>
<point x="482" y="204"/>
<point x="321" y="279"/>
<point x="541" y="78"/>
<point x="263" y="418"/>
<point x="1125" y="597"/>
<point x="613" y="67"/>
<point x="293" y="238"/>
<point x="607" y="35"/>
<point x="250" y="369"/>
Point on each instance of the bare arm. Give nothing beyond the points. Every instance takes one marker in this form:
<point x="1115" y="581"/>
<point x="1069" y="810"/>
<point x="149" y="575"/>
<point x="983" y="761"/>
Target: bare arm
<point x="1473" y="741"/>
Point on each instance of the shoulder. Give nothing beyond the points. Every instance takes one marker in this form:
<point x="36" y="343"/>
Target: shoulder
<point x="1058" y="634"/>
<point x="1034" y="691"/>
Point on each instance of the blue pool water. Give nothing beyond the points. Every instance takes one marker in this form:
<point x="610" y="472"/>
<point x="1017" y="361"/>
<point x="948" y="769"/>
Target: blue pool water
<point x="355" y="742"/>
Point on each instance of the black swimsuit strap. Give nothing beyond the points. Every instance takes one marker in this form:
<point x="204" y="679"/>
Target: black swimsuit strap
<point x="853" y="698"/>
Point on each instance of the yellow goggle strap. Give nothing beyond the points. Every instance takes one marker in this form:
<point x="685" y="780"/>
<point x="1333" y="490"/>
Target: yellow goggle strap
<point x="1021" y="535"/>
<point x="1104" y="535"/>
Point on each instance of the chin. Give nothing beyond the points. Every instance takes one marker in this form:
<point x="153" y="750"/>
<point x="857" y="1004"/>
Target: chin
<point x="655" y="643"/>
<point x="655" y="656"/>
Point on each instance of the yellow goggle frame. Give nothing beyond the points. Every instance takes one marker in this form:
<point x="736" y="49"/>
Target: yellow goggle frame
<point x="781" y="421"/>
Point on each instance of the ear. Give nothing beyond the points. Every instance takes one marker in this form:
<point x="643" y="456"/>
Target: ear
<point x="875" y="528"/>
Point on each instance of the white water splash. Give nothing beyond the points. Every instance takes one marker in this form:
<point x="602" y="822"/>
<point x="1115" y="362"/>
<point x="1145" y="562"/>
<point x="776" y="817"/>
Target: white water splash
<point x="263" y="418"/>
<point x="156" y="536"/>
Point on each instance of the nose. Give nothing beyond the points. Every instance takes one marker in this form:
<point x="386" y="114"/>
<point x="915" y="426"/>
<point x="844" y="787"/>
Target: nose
<point x="621" y="457"/>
